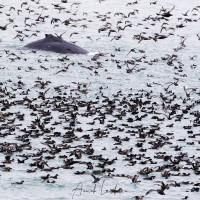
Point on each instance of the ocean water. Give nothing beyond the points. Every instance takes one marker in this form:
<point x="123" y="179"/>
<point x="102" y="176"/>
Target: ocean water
<point x="110" y="71"/>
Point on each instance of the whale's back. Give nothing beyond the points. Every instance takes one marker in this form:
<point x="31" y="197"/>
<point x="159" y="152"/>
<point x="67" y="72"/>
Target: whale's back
<point x="56" y="44"/>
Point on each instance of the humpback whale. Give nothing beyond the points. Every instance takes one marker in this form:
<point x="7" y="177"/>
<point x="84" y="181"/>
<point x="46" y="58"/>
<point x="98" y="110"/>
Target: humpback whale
<point x="56" y="44"/>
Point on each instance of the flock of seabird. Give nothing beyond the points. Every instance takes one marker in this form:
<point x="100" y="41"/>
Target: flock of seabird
<point x="67" y="125"/>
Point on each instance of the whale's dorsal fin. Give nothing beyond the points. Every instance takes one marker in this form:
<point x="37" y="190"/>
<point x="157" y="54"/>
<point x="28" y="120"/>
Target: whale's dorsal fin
<point x="49" y="36"/>
<point x="52" y="38"/>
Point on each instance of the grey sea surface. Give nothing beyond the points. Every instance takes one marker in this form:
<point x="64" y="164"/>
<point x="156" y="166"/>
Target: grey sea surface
<point x="122" y="66"/>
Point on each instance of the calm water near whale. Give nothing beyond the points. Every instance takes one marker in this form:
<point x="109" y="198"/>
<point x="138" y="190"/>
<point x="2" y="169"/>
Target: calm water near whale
<point x="122" y="64"/>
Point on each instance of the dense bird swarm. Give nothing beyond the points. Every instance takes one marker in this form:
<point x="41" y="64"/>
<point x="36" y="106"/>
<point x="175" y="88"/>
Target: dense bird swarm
<point x="120" y="123"/>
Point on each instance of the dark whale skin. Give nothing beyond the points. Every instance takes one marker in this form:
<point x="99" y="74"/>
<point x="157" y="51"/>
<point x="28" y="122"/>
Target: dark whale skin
<point x="57" y="45"/>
